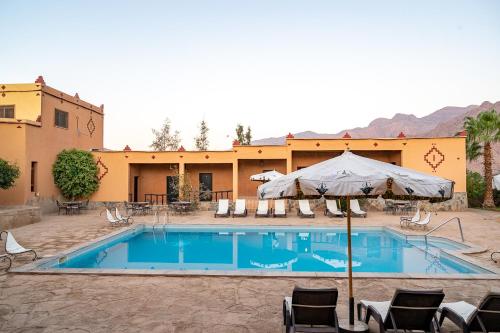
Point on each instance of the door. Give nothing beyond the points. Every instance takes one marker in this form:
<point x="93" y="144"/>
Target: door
<point x="172" y="188"/>
<point x="136" y="188"/>
<point x="205" y="187"/>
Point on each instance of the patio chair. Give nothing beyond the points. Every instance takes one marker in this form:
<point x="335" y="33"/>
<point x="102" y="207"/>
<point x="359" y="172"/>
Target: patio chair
<point x="13" y="248"/>
<point x="128" y="207"/>
<point x="331" y="209"/>
<point x="311" y="310"/>
<point x="123" y="219"/>
<point x="262" y="209"/>
<point x="279" y="208"/>
<point x="408" y="310"/>
<point x="60" y="207"/>
<point x="111" y="219"/>
<point x="355" y="209"/>
<point x="6" y="257"/>
<point x="421" y="224"/>
<point x="222" y="208"/>
<point x="405" y="220"/>
<point x="240" y="209"/>
<point x="304" y="209"/>
<point x="469" y="318"/>
<point x="390" y="207"/>
<point x="84" y="205"/>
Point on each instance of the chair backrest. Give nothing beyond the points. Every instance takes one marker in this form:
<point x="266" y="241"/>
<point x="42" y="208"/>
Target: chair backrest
<point x="110" y="216"/>
<point x="416" y="217"/>
<point x="426" y="220"/>
<point x="355" y="205"/>
<point x="263" y="206"/>
<point x="314" y="306"/>
<point x="279" y="206"/>
<point x="488" y="313"/>
<point x="413" y="309"/>
<point x="239" y="205"/>
<point x="223" y="206"/>
<point x="331" y="205"/>
<point x="11" y="245"/>
<point x="117" y="214"/>
<point x="304" y="206"/>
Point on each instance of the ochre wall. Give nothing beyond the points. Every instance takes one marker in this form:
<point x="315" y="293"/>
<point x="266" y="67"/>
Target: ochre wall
<point x="35" y="106"/>
<point x="247" y="168"/>
<point x="152" y="178"/>
<point x="13" y="149"/>
<point x="222" y="175"/>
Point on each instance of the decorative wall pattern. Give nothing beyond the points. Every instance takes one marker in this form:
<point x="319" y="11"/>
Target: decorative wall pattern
<point x="434" y="157"/>
<point x="91" y="126"/>
<point x="103" y="169"/>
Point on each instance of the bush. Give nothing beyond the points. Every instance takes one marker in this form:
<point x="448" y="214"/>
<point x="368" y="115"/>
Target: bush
<point x="75" y="174"/>
<point x="8" y="174"/>
<point x="475" y="189"/>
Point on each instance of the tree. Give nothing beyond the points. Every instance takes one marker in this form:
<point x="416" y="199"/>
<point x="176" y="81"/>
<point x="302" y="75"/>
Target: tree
<point x="248" y="136"/>
<point x="242" y="137"/>
<point x="201" y="141"/>
<point x="9" y="172"/>
<point x="164" y="140"/>
<point x="482" y="132"/>
<point x="75" y="173"/>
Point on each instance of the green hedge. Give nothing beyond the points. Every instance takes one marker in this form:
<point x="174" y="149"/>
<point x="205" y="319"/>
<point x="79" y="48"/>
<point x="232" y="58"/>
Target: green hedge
<point x="475" y="189"/>
<point x="8" y="174"/>
<point x="75" y="174"/>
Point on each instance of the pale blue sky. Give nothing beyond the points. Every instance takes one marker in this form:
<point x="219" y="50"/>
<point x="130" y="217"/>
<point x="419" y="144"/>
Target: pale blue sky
<point x="277" y="66"/>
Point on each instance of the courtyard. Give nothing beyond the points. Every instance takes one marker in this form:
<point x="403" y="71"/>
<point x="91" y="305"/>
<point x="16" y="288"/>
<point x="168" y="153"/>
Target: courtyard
<point x="113" y="303"/>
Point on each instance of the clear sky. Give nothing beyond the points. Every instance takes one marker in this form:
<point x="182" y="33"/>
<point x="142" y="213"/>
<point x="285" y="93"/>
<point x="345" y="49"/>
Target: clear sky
<point x="278" y="66"/>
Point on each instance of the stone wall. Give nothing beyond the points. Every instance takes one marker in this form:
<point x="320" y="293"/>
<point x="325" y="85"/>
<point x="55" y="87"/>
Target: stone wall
<point x="17" y="216"/>
<point x="457" y="203"/>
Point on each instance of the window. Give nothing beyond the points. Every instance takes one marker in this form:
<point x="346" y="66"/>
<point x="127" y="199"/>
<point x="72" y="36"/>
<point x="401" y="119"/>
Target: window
<point x="34" y="166"/>
<point x="61" y="119"/>
<point x="6" y="111"/>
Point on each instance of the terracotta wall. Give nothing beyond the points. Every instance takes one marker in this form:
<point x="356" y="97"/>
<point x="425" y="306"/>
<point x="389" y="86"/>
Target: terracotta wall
<point x="222" y="175"/>
<point x="247" y="168"/>
<point x="152" y="178"/>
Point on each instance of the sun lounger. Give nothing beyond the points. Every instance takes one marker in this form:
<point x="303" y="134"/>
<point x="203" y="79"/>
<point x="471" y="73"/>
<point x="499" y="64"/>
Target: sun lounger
<point x="124" y="219"/>
<point x="469" y="318"/>
<point x="279" y="208"/>
<point x="222" y="208"/>
<point x="240" y="209"/>
<point x="311" y="310"/>
<point x="423" y="223"/>
<point x="405" y="220"/>
<point x="13" y="248"/>
<point x="304" y="209"/>
<point x="408" y="310"/>
<point x="111" y="219"/>
<point x="262" y="209"/>
<point x="355" y="209"/>
<point x="332" y="210"/>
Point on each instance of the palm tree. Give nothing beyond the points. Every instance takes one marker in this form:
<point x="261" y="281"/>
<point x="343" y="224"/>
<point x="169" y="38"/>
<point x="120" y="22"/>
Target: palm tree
<point x="482" y="132"/>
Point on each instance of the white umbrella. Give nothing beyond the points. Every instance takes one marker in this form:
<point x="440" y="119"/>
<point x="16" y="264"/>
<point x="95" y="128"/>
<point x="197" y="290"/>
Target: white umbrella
<point x="266" y="176"/>
<point x="352" y="176"/>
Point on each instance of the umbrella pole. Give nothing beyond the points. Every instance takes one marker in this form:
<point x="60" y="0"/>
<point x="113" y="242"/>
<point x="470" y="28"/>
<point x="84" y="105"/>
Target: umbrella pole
<point x="349" y="254"/>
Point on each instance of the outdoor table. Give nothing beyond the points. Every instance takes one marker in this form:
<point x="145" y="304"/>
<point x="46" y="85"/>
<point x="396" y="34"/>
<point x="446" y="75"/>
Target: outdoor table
<point x="72" y="207"/>
<point x="181" y="206"/>
<point x="358" y="327"/>
<point x="139" y="207"/>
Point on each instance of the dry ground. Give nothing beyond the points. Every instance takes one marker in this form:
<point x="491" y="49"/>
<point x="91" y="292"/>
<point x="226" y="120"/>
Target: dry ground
<point x="83" y="303"/>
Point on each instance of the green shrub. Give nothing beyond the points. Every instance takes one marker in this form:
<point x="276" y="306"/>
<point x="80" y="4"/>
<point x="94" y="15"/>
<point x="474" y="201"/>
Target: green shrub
<point x="75" y="174"/>
<point x="8" y="174"/>
<point x="475" y="189"/>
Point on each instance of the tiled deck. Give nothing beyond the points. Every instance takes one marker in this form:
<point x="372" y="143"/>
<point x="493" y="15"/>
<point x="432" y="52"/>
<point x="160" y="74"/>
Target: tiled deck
<point x="90" y="303"/>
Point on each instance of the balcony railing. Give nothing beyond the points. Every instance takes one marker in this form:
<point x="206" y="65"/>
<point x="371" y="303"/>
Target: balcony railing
<point x="163" y="199"/>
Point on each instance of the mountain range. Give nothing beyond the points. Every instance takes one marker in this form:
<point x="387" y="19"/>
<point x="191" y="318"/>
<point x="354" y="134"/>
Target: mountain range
<point x="446" y="121"/>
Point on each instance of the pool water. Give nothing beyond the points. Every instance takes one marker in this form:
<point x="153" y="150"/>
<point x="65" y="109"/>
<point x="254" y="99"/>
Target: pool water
<point x="269" y="249"/>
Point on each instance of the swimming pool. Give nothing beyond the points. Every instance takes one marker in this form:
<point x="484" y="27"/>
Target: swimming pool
<point x="265" y="249"/>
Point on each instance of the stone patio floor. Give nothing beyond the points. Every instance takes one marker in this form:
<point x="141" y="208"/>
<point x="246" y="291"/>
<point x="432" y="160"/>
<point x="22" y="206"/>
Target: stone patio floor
<point x="93" y="303"/>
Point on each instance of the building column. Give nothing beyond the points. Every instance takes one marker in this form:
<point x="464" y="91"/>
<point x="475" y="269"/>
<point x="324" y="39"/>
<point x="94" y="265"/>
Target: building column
<point x="289" y="162"/>
<point x="235" y="179"/>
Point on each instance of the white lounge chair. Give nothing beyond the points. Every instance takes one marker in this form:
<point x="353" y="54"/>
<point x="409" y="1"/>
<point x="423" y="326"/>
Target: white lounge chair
<point x="6" y="257"/>
<point x="13" y="248"/>
<point x="111" y="219"/>
<point x="240" y="209"/>
<point x="304" y="209"/>
<point x="262" y="209"/>
<point x="222" y="208"/>
<point x="405" y="220"/>
<point x="124" y="219"/>
<point x="332" y="210"/>
<point x="355" y="209"/>
<point x="423" y="224"/>
<point x="279" y="208"/>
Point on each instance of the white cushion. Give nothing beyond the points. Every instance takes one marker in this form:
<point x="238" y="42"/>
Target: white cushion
<point x="381" y="307"/>
<point x="13" y="247"/>
<point x="463" y="309"/>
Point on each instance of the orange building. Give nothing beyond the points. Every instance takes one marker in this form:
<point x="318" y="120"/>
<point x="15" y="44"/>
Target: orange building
<point x="36" y="123"/>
